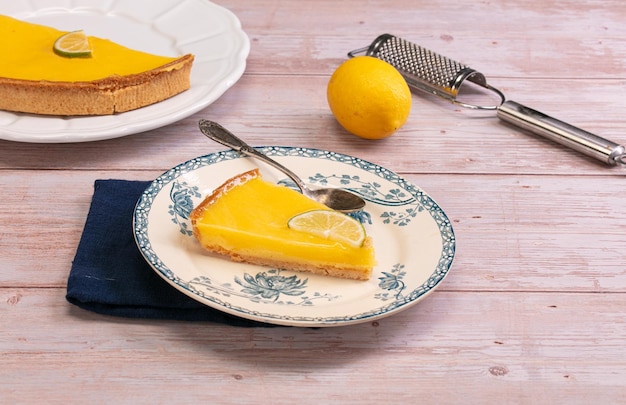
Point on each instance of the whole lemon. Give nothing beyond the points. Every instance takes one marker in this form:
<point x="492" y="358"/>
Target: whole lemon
<point x="369" y="97"/>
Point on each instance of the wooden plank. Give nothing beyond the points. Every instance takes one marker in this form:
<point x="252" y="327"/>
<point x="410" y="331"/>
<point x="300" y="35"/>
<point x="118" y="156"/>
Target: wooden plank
<point x="505" y="39"/>
<point x="529" y="233"/>
<point x="453" y="347"/>
<point x="438" y="138"/>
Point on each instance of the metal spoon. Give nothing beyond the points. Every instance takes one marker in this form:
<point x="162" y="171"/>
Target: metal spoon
<point x="335" y="198"/>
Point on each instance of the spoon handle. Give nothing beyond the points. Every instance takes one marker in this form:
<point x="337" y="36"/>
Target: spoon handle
<point x="219" y="134"/>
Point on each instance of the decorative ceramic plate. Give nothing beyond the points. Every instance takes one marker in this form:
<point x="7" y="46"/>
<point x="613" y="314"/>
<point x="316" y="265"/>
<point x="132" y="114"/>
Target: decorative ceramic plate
<point x="413" y="238"/>
<point x="165" y="27"/>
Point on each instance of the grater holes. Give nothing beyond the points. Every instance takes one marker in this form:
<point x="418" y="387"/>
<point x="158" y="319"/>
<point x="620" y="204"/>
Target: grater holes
<point x="433" y="73"/>
<point x="427" y="66"/>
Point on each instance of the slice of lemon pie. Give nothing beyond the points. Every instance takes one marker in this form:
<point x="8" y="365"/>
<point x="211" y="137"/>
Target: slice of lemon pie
<point x="37" y="75"/>
<point x="254" y="221"/>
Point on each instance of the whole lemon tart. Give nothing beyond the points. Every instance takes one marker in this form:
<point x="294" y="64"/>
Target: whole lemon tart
<point x="247" y="219"/>
<point x="112" y="79"/>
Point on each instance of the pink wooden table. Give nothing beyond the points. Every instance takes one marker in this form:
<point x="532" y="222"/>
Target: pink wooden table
<point x="532" y="310"/>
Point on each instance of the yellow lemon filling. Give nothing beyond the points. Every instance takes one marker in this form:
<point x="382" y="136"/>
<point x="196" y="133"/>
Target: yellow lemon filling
<point x="27" y="54"/>
<point x="249" y="220"/>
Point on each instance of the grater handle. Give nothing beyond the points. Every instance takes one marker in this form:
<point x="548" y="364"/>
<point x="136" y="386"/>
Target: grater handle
<point x="563" y="133"/>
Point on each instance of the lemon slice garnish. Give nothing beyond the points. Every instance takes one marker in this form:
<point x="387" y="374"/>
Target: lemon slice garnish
<point x="331" y="225"/>
<point x="74" y="44"/>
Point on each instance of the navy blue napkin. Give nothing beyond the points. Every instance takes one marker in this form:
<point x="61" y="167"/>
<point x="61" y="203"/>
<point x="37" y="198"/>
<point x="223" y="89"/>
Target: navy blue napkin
<point x="110" y="276"/>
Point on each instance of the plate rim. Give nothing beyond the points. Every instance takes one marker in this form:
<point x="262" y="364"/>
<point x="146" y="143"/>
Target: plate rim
<point x="236" y="62"/>
<point x="437" y="275"/>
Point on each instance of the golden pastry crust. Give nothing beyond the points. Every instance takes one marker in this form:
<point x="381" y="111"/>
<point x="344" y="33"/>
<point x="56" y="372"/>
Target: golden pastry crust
<point x="336" y="270"/>
<point x="106" y="96"/>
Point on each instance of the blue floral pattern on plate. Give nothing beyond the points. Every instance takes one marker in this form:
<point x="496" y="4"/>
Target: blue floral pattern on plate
<point x="182" y="196"/>
<point x="395" y="207"/>
<point x="270" y="287"/>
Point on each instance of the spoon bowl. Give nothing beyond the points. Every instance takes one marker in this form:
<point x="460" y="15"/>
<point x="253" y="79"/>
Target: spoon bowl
<point x="335" y="198"/>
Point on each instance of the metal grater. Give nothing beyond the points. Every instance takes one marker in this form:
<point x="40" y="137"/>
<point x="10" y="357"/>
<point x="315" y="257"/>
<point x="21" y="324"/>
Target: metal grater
<point x="426" y="70"/>
<point x="432" y="73"/>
